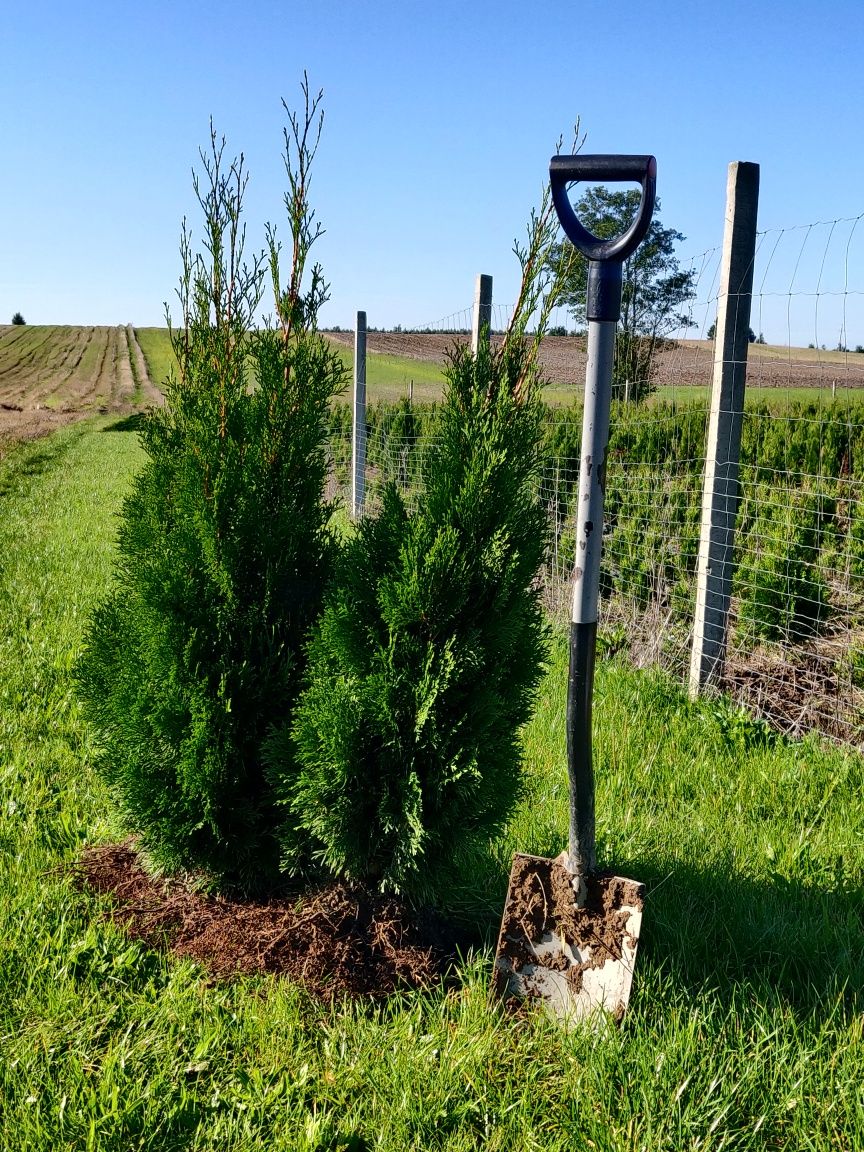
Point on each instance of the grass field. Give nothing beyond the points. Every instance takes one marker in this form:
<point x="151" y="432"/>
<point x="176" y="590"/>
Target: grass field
<point x="158" y="353"/>
<point x="746" y="1027"/>
<point x="388" y="377"/>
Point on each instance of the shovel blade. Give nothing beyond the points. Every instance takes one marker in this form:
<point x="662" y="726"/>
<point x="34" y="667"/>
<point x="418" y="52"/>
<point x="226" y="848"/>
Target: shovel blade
<point x="567" y="941"/>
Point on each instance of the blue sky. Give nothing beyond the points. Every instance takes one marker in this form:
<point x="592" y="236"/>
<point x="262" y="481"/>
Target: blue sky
<point x="440" y="121"/>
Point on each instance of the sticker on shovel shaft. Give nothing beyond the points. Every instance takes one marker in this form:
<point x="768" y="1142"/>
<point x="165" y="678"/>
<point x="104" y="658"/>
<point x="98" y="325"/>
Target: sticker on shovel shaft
<point x="574" y="954"/>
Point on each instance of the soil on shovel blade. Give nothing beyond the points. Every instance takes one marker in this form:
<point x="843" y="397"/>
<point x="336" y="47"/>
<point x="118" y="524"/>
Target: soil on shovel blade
<point x="339" y="940"/>
<point x="541" y="899"/>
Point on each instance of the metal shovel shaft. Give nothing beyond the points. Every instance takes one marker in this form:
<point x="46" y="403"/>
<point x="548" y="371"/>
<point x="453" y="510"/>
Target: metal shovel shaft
<point x="603" y="310"/>
<point x="586" y="579"/>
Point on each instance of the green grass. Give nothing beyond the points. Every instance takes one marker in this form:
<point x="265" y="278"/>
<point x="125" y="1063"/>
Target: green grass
<point x="158" y="353"/>
<point x="745" y="1029"/>
<point x="387" y="377"/>
<point x="392" y="378"/>
<point x="779" y="398"/>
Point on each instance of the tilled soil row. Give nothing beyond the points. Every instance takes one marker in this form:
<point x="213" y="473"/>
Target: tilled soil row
<point x="52" y="376"/>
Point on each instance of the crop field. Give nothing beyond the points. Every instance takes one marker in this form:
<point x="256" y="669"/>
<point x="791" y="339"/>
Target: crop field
<point x="746" y="1026"/>
<point x="403" y="364"/>
<point x="395" y="358"/>
<point x="53" y="375"/>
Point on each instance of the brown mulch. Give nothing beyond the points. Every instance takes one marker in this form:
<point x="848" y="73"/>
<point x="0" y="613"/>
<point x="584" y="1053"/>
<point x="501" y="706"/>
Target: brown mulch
<point x="796" y="690"/>
<point x="338" y="940"/>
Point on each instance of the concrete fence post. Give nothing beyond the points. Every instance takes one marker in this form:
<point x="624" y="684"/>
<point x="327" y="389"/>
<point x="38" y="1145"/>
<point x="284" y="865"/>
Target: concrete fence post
<point x="720" y="491"/>
<point x="482" y="321"/>
<point x="358" y="427"/>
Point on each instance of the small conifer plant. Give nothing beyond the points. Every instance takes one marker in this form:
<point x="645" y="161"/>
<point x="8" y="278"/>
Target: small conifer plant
<point x="224" y="545"/>
<point x="430" y="647"/>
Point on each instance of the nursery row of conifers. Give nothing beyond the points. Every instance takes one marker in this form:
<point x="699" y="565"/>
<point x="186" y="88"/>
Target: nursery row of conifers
<point x="800" y="531"/>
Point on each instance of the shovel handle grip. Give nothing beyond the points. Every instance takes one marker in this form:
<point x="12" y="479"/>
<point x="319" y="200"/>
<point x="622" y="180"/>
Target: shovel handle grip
<point x="563" y="170"/>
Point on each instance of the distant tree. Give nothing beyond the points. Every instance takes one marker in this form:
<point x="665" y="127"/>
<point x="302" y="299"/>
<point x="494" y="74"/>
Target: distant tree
<point x="655" y="287"/>
<point x="751" y="335"/>
<point x="18" y="319"/>
<point x="859" y="347"/>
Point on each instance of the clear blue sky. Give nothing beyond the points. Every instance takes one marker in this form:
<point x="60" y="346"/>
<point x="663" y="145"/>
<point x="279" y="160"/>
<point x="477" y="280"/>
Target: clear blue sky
<point x="440" y="120"/>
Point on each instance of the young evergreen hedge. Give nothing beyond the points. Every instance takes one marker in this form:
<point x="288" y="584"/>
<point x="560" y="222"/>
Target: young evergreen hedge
<point x="428" y="653"/>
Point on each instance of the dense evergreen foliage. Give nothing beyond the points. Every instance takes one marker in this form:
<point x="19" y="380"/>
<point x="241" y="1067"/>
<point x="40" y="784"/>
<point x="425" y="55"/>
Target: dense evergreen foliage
<point x="429" y="650"/>
<point x="224" y="550"/>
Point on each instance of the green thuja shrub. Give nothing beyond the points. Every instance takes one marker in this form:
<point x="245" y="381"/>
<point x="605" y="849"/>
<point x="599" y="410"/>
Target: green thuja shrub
<point x="651" y="537"/>
<point x="393" y="447"/>
<point x="783" y="591"/>
<point x="856" y="541"/>
<point x="428" y="654"/>
<point x="224" y="547"/>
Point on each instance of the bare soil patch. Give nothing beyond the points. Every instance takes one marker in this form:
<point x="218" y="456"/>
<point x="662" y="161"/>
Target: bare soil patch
<point x="799" y="688"/>
<point x="19" y="424"/>
<point x="338" y="940"/>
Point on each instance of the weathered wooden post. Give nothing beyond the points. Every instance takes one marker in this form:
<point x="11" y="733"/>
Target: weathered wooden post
<point x="482" y="321"/>
<point x="358" y="438"/>
<point x="720" y="491"/>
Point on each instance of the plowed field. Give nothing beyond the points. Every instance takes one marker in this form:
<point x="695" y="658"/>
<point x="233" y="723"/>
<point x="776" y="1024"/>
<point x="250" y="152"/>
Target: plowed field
<point x="682" y="364"/>
<point x="51" y="375"/>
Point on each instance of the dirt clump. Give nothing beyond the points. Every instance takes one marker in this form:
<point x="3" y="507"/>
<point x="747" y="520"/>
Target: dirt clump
<point x="338" y="940"/>
<point x="542" y="899"/>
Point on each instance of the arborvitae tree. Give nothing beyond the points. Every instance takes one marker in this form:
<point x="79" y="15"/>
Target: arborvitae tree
<point x="224" y="545"/>
<point x="780" y="580"/>
<point x="429" y="651"/>
<point x="18" y="319"/>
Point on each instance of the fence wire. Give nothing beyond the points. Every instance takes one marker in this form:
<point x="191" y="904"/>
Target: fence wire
<point x="795" y="635"/>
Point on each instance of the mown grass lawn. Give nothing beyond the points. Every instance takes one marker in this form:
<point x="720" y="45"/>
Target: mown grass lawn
<point x="745" y="1030"/>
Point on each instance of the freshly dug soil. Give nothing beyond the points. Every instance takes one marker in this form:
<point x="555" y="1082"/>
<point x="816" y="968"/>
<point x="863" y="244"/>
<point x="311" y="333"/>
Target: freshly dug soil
<point x="541" y="899"/>
<point x="339" y="940"/>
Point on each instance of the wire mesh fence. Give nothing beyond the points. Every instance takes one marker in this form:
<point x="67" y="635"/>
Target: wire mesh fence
<point x="795" y="632"/>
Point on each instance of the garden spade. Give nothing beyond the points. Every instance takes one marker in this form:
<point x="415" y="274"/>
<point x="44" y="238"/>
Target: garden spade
<point x="569" y="933"/>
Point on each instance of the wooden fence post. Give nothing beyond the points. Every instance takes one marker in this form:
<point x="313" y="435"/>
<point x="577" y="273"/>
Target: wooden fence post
<point x="482" y="321"/>
<point x="720" y="491"/>
<point x="358" y="429"/>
